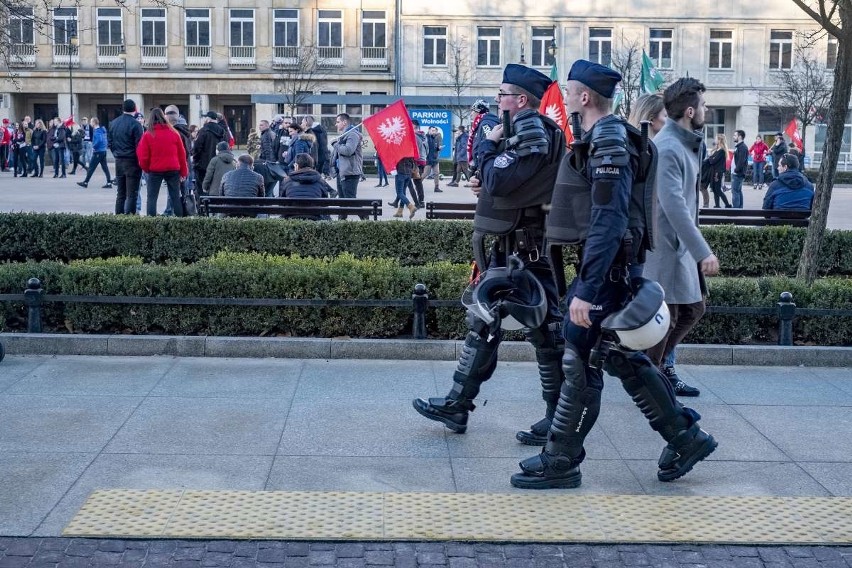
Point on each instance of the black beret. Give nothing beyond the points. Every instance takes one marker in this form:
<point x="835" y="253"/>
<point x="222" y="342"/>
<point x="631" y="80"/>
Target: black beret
<point x="530" y="80"/>
<point x="598" y="78"/>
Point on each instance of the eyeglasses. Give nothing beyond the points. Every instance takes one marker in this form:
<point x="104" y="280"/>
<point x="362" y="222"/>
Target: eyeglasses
<point x="501" y="94"/>
<point x="172" y="112"/>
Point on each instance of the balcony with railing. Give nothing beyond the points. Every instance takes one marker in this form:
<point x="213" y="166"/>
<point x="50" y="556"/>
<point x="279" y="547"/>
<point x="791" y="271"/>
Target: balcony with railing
<point x="109" y="56"/>
<point x="197" y="57"/>
<point x="65" y="55"/>
<point x="285" y="56"/>
<point x="242" y="57"/>
<point x="330" y="56"/>
<point x="22" y="55"/>
<point x="374" y="58"/>
<point x="154" y="56"/>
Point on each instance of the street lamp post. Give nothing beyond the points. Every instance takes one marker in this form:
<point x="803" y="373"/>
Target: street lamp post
<point x="551" y="49"/>
<point x="72" y="47"/>
<point x="123" y="56"/>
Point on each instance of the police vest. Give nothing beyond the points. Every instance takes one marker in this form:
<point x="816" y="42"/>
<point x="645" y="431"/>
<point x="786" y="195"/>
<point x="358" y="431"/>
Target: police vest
<point x="571" y="207"/>
<point x="502" y="215"/>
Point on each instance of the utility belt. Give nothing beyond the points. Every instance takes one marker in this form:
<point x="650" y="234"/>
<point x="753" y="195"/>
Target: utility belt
<point x="619" y="271"/>
<point x="526" y="240"/>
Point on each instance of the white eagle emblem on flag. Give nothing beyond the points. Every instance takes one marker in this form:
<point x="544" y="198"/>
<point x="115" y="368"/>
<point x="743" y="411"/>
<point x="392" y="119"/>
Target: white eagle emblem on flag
<point x="392" y="130"/>
<point x="553" y="113"/>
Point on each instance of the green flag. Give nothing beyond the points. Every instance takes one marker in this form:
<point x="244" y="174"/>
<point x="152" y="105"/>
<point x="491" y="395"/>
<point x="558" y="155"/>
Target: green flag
<point x="554" y="74"/>
<point x="651" y="80"/>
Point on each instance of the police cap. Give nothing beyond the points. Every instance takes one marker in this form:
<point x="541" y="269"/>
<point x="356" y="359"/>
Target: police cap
<point x="530" y="80"/>
<point x="598" y="78"/>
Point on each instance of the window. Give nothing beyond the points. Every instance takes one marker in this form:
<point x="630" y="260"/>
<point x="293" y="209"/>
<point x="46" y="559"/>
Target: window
<point x="831" y="53"/>
<point x="64" y="25"/>
<point x="330" y="28"/>
<point x="109" y="26"/>
<point x="21" y="31"/>
<point x="721" y="48"/>
<point x="541" y="40"/>
<point x="488" y="47"/>
<point x="285" y="28"/>
<point x="198" y="27"/>
<point x="242" y="28"/>
<point x="780" y="49"/>
<point x="660" y="48"/>
<point x="154" y="26"/>
<point x="714" y="124"/>
<point x="600" y="45"/>
<point x="373" y="29"/>
<point x="328" y="113"/>
<point x="434" y="45"/>
<point x="354" y="110"/>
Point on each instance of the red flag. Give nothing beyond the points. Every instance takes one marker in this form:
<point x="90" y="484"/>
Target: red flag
<point x="553" y="107"/>
<point x="792" y="131"/>
<point x="392" y="134"/>
<point x="69" y="121"/>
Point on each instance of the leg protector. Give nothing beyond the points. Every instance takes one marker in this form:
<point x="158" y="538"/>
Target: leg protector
<point x="651" y="391"/>
<point x="578" y="408"/>
<point x="549" y="350"/>
<point x="476" y="365"/>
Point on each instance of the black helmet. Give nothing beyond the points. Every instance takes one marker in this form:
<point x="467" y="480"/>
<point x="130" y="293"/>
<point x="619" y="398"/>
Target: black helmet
<point x="479" y="107"/>
<point x="644" y="321"/>
<point x="511" y="294"/>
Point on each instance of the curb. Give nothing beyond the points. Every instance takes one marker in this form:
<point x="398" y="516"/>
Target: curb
<point x="404" y="349"/>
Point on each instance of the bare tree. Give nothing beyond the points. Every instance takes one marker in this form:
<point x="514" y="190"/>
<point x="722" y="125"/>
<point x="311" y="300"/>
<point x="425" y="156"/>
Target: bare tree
<point x="804" y="91"/>
<point x="627" y="60"/>
<point x="835" y="17"/>
<point x="460" y="74"/>
<point x="302" y="74"/>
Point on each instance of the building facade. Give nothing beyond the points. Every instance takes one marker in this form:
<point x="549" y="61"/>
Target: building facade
<point x="242" y="59"/>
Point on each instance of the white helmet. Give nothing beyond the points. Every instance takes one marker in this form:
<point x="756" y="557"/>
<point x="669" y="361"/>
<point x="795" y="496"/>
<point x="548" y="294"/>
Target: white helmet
<point x="643" y="322"/>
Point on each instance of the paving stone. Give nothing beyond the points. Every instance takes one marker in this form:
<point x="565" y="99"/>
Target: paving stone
<point x="297" y="549"/>
<point x="193" y="553"/>
<point x="22" y="547"/>
<point x="134" y="555"/>
<point x="462" y="562"/>
<point x="379" y="557"/>
<point x="83" y="549"/>
<point x="823" y="553"/>
<point x="378" y="546"/>
<point x="517" y="551"/>
<point x="635" y="558"/>
<point x="159" y="546"/>
<point x="491" y="560"/>
<point x="431" y="558"/>
<point x="688" y="557"/>
<point x="433" y="547"/>
<point x="111" y="545"/>
<point x="351" y="563"/>
<point x="211" y="559"/>
<point x="322" y="557"/>
<point x="804" y="562"/>
<point x="14" y="561"/>
<point x="246" y="549"/>
<point x="271" y="555"/>
<point x="747" y="562"/>
<point x="465" y="550"/>
<point x="799" y="551"/>
<point x="228" y="546"/>
<point x="54" y="543"/>
<point x="48" y="556"/>
<point x="350" y="550"/>
<point x="603" y="553"/>
<point x="74" y="562"/>
<point x="743" y="550"/>
<point x="323" y="546"/>
<point x="102" y="558"/>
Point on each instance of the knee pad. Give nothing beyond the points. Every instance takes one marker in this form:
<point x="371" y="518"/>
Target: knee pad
<point x="651" y="392"/>
<point x="549" y="349"/>
<point x="477" y="361"/>
<point x="578" y="407"/>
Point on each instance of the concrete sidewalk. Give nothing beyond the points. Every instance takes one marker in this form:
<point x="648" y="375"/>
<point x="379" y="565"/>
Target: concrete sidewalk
<point x="72" y="424"/>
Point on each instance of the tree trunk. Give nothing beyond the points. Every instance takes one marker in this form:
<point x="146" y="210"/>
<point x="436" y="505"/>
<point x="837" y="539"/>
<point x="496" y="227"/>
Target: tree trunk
<point x="838" y="109"/>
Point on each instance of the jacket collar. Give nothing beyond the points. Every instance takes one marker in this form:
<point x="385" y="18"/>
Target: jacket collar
<point x="688" y="138"/>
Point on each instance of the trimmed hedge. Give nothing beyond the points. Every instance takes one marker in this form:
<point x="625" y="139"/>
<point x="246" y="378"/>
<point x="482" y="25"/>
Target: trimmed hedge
<point x="743" y="251"/>
<point x="254" y="275"/>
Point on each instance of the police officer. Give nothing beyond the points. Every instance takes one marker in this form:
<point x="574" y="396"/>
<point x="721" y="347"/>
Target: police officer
<point x="617" y="233"/>
<point x="517" y="171"/>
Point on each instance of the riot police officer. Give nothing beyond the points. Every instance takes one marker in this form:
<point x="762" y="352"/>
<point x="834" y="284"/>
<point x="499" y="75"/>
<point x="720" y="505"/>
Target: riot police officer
<point x="516" y="173"/>
<point x="610" y="169"/>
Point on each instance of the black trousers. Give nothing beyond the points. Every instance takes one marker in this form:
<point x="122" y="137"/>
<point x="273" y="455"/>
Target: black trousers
<point x="128" y="177"/>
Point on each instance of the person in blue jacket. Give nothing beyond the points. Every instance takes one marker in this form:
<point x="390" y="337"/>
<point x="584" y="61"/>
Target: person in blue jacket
<point x="99" y="154"/>
<point x="792" y="190"/>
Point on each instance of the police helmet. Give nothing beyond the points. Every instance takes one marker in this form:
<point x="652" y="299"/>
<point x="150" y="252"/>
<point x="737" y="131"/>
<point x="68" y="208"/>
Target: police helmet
<point x="479" y="107"/>
<point x="644" y="321"/>
<point x="511" y="294"/>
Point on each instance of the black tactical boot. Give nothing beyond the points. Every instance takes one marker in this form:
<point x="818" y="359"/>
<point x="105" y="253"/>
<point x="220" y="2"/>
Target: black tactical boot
<point x="549" y="471"/>
<point x="684" y="451"/>
<point x="537" y="434"/>
<point x="451" y="413"/>
<point x="679" y="386"/>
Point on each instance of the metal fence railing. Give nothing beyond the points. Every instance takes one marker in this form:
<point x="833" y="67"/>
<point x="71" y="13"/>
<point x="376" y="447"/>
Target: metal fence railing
<point x="34" y="299"/>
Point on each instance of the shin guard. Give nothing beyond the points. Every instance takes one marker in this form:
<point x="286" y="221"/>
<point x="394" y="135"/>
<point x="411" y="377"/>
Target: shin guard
<point x="578" y="407"/>
<point x="549" y="349"/>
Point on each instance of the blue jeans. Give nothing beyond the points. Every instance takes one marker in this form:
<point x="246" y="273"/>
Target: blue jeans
<point x="400" y="183"/>
<point x="757" y="173"/>
<point x="58" y="157"/>
<point x="737" y="191"/>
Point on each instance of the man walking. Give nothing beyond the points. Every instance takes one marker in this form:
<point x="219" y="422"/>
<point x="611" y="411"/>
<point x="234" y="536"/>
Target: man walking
<point x="125" y="132"/>
<point x="738" y="168"/>
<point x="680" y="151"/>
<point x="347" y="157"/>
<point x="460" y="164"/>
<point x="88" y="149"/>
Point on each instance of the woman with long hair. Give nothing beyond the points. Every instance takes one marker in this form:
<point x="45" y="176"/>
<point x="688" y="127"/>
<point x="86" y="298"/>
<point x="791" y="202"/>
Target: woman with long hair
<point x="715" y="160"/>
<point x="162" y="156"/>
<point x="649" y="107"/>
<point x="39" y="147"/>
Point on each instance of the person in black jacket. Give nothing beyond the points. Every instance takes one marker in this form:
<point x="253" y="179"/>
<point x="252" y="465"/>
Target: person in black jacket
<point x="778" y="149"/>
<point x="738" y="170"/>
<point x="125" y="132"/>
<point x="75" y="146"/>
<point x="204" y="148"/>
<point x="308" y="123"/>
<point x="305" y="183"/>
<point x="715" y="164"/>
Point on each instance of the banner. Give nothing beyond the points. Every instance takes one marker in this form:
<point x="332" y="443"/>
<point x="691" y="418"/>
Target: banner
<point x="651" y="80"/>
<point x="792" y="131"/>
<point x="392" y="134"/>
<point x="553" y="107"/>
<point x="442" y="119"/>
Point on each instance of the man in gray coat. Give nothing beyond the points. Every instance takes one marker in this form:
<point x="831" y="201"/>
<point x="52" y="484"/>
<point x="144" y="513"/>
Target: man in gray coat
<point x="681" y="256"/>
<point x="347" y="158"/>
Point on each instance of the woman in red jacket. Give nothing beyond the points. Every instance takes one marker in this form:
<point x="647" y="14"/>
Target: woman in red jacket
<point x="162" y="156"/>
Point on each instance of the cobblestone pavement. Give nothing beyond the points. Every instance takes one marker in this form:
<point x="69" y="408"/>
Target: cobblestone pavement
<point x="84" y="553"/>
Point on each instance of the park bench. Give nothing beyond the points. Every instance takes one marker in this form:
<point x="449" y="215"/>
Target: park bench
<point x="442" y="210"/>
<point x="753" y="217"/>
<point x="290" y="206"/>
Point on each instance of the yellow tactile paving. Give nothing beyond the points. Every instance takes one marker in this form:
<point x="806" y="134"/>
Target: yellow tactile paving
<point x="529" y="517"/>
